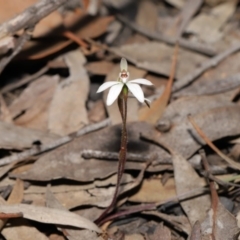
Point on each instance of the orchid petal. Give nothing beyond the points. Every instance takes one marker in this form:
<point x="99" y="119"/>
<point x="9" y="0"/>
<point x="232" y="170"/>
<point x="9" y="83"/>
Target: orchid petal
<point x="141" y="81"/>
<point x="106" y="85"/>
<point x="136" y="91"/>
<point x="114" y="93"/>
<point x="123" y="64"/>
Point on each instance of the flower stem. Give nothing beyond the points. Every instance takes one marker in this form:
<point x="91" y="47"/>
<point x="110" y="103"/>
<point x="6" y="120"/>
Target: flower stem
<point x="122" y="105"/>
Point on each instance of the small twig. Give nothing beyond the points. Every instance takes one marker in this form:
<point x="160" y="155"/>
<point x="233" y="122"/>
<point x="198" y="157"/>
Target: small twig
<point x="88" y="153"/>
<point x="198" y="47"/>
<point x="70" y="35"/>
<point x="213" y="62"/>
<point x="10" y="215"/>
<point x="18" y="47"/>
<point x="30" y="16"/>
<point x="40" y="149"/>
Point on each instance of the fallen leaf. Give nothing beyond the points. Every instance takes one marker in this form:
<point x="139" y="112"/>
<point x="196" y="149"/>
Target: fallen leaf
<point x="66" y="161"/>
<point x="181" y="222"/>
<point x="34" y="103"/>
<point x="178" y="110"/>
<point x="99" y="68"/>
<point x="160" y="233"/>
<point x="49" y="215"/>
<point x="71" y="234"/>
<point x="207" y="26"/>
<point x="156" y="57"/>
<point x="161" y="192"/>
<point x="187" y="179"/>
<point x="147" y="15"/>
<point x="16" y="137"/>
<point x="21" y="229"/>
<point x="157" y="108"/>
<point x="211" y="121"/>
<point x="226" y="225"/>
<point x="67" y="112"/>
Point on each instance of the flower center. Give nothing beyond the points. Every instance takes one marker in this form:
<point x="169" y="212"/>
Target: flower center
<point x="124" y="76"/>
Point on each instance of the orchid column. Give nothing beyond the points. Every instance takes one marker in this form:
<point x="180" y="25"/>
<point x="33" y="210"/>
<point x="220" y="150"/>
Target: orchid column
<point x="119" y="90"/>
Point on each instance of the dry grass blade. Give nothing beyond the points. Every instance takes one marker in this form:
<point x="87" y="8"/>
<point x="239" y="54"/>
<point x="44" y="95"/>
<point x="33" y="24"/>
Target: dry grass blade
<point x="49" y="215"/>
<point x="153" y="114"/>
<point x="231" y="163"/>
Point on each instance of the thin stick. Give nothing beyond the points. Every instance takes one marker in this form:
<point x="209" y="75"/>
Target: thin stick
<point x="19" y="45"/>
<point x="231" y="163"/>
<point x="212" y="62"/>
<point x="35" y="151"/>
<point x="30" y="16"/>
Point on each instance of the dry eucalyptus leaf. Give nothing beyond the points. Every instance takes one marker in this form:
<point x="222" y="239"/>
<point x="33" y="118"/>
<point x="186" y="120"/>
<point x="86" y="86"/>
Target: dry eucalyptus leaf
<point x="16" y="137"/>
<point x="217" y="123"/>
<point x="134" y="236"/>
<point x="178" y="110"/>
<point x="156" y="57"/>
<point x="225" y="227"/>
<point x="208" y="25"/>
<point x="180" y="222"/>
<point x="65" y="188"/>
<point x="49" y="215"/>
<point x="161" y="233"/>
<point x="113" y="110"/>
<point x="22" y="229"/>
<point x="99" y="68"/>
<point x="66" y="161"/>
<point x="67" y="112"/>
<point x="147" y="16"/>
<point x="177" y="3"/>
<point x="100" y="197"/>
<point x="224" y="76"/>
<point x="161" y="192"/>
<point x="34" y="102"/>
<point x="71" y="234"/>
<point x="39" y="90"/>
<point x="187" y="179"/>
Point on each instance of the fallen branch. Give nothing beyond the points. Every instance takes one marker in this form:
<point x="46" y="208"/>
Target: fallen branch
<point x="30" y="16"/>
<point x="18" y="47"/>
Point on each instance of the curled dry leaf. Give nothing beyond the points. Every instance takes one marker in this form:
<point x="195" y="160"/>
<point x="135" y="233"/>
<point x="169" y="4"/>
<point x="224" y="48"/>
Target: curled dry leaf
<point x="51" y="216"/>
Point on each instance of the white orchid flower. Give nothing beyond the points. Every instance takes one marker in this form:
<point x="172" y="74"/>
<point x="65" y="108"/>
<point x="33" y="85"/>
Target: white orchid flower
<point x="117" y="86"/>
